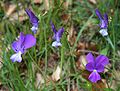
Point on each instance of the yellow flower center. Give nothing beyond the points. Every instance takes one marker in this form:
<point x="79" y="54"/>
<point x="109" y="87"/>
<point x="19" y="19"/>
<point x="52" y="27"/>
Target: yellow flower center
<point x="94" y="70"/>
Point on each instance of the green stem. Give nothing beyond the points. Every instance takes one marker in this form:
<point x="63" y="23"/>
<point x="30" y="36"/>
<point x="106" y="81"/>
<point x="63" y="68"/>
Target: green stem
<point x="45" y="52"/>
<point x="62" y="56"/>
<point x="110" y="42"/>
<point x="36" y="65"/>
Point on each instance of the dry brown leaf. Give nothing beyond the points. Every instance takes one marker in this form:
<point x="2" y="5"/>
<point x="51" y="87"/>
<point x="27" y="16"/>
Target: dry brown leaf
<point x="56" y="74"/>
<point x="53" y="60"/>
<point x="74" y="86"/>
<point x="116" y="82"/>
<point x="81" y="45"/>
<point x="47" y="4"/>
<point x="71" y="36"/>
<point x="39" y="80"/>
<point x="4" y="88"/>
<point x="81" y="62"/>
<point x="75" y="89"/>
<point x="86" y="74"/>
<point x="87" y="46"/>
<point x="66" y="3"/>
<point x="93" y="1"/>
<point x="38" y="1"/>
<point x="117" y="74"/>
<point x="99" y="86"/>
<point x="11" y="9"/>
<point x="92" y="46"/>
<point x="48" y="80"/>
<point x="20" y="15"/>
<point x="65" y="17"/>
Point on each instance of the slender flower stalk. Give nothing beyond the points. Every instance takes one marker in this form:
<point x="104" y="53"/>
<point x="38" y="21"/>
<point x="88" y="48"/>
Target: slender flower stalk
<point x="19" y="47"/>
<point x="34" y="20"/>
<point x="57" y="35"/>
<point x="96" y="66"/>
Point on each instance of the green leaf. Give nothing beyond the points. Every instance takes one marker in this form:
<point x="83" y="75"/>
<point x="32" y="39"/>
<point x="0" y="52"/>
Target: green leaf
<point x="104" y="51"/>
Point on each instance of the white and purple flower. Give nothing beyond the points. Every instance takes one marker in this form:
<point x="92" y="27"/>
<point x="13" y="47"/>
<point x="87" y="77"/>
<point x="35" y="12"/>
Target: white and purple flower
<point x="33" y="19"/>
<point x="96" y="66"/>
<point x="24" y="42"/>
<point x="57" y="35"/>
<point x="103" y="23"/>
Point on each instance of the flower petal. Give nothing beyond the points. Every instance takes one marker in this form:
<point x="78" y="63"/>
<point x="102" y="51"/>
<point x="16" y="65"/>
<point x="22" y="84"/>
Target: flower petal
<point x="56" y="44"/>
<point x="21" y="38"/>
<point x="103" y="32"/>
<point x="98" y="14"/>
<point x="59" y="34"/>
<point x="29" y="41"/>
<point x="99" y="68"/>
<point x="94" y="77"/>
<point x="103" y="24"/>
<point x="17" y="45"/>
<point x="16" y="57"/>
<point x="33" y="19"/>
<point x="90" y="66"/>
<point x="106" y="18"/>
<point x="90" y="58"/>
<point x="34" y="29"/>
<point x="101" y="59"/>
<point x="53" y="27"/>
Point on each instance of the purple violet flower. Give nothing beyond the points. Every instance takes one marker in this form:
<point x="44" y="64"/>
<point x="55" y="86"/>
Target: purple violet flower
<point x="96" y="66"/>
<point x="103" y="22"/>
<point x="57" y="35"/>
<point x="33" y="19"/>
<point x="24" y="42"/>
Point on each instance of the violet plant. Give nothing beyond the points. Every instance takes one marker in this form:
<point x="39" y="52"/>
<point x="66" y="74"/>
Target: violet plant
<point x="57" y="35"/>
<point x="104" y="26"/>
<point x="96" y="66"/>
<point x="103" y="23"/>
<point x="34" y="20"/>
<point x="19" y="47"/>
